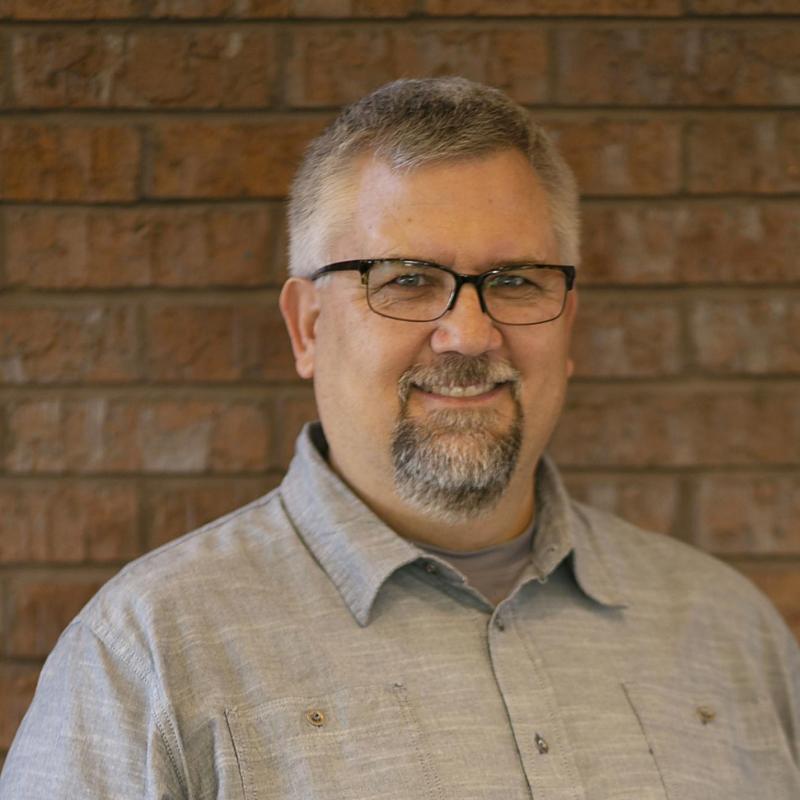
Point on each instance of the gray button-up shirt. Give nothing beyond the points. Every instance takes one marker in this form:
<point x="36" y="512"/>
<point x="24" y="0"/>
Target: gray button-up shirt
<point x="298" y="648"/>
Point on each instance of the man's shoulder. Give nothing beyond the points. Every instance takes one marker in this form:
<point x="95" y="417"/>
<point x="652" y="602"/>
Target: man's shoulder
<point x="661" y="570"/>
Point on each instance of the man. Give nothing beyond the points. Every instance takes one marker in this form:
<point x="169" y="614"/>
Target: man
<point x="420" y="611"/>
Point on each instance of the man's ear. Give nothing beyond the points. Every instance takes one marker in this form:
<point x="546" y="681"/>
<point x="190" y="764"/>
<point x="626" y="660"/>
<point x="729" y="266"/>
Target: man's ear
<point x="299" y="304"/>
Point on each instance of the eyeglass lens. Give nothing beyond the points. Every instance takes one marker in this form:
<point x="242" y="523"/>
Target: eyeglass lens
<point x="419" y="293"/>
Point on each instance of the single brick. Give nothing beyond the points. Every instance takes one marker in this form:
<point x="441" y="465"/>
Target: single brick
<point x="68" y="522"/>
<point x="143" y="68"/>
<point x="682" y="65"/>
<point x="242" y="342"/>
<point x="176" y="507"/>
<point x="17" y="685"/>
<point x="40" y="608"/>
<point x="114" y="248"/>
<point x="47" y="161"/>
<point x="621" y="157"/>
<point x="222" y="159"/>
<point x="636" y="427"/>
<point x="650" y="501"/>
<point x="750" y="335"/>
<point x="781" y="583"/>
<point x="622" y="336"/>
<point x="69" y="9"/>
<point x="263" y="9"/>
<point x="68" y="345"/>
<point x="119" y="435"/>
<point x="754" y="155"/>
<point x="743" y="6"/>
<point x="750" y="513"/>
<point x="750" y="243"/>
<point x="521" y="8"/>
<point x="329" y="67"/>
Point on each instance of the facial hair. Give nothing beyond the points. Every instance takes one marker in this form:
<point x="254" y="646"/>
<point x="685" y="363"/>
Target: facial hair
<point x="455" y="464"/>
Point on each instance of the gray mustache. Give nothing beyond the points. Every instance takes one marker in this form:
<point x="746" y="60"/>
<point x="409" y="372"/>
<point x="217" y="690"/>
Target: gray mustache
<point x="453" y="369"/>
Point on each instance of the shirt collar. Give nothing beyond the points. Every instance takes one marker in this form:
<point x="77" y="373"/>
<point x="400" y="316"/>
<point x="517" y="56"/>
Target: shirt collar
<point x="359" y="552"/>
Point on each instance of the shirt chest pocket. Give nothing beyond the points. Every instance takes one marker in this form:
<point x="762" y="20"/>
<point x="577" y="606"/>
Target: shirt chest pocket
<point x="712" y="745"/>
<point x="350" y="744"/>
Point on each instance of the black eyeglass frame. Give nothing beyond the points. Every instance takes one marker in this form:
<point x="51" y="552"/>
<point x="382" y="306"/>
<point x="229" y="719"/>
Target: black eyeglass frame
<point x="363" y="265"/>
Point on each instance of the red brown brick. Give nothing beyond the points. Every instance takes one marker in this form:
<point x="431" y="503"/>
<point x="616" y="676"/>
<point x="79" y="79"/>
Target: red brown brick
<point x="623" y="336"/>
<point x="753" y="155"/>
<point x="748" y="243"/>
<point x="698" y="65"/>
<point x="781" y="583"/>
<point x="330" y="66"/>
<point x="68" y="523"/>
<point x="679" y="426"/>
<point x="621" y="157"/>
<point x="119" y="435"/>
<point x="749" y="513"/>
<point x="176" y="507"/>
<point x="262" y="9"/>
<point x="221" y="159"/>
<point x="17" y="685"/>
<point x="743" y="6"/>
<point x="292" y="411"/>
<point x="143" y="68"/>
<point x="242" y="342"/>
<point x="40" y="608"/>
<point x="650" y="501"/>
<point x="749" y="335"/>
<point x="68" y="344"/>
<point x="114" y="248"/>
<point x="69" y="9"/>
<point x="48" y="161"/>
<point x="638" y="8"/>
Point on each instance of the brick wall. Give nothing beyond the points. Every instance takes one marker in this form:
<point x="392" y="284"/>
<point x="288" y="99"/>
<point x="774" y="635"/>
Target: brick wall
<point x="145" y="147"/>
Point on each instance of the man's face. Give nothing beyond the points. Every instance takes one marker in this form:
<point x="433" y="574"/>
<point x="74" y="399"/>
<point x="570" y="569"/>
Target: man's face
<point x="384" y="387"/>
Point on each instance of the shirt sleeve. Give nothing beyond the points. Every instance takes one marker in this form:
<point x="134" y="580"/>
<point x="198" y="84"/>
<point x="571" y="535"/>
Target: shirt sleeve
<point x="95" y="729"/>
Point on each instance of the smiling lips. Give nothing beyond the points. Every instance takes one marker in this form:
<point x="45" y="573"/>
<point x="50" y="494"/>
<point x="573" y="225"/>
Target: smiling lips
<point x="472" y="390"/>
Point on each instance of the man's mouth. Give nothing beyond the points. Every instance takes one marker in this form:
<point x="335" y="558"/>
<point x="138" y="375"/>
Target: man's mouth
<point x="472" y="390"/>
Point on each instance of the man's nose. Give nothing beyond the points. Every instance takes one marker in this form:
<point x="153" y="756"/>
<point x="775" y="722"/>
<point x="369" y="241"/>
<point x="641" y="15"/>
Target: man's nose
<point x="465" y="328"/>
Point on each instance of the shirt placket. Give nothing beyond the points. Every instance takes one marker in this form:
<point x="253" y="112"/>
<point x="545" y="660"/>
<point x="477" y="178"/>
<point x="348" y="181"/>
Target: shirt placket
<point x="544" y="750"/>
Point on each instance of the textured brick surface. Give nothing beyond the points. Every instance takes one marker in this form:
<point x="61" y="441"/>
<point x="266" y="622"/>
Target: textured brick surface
<point x="622" y="157"/>
<point x="650" y="501"/>
<point x="40" y="608"/>
<point x="627" y="337"/>
<point x="261" y="9"/>
<point x="68" y="345"/>
<point x="218" y="343"/>
<point x="747" y="335"/>
<point x="175" y="508"/>
<point x="293" y="410"/>
<point x="554" y="7"/>
<point x="52" y="522"/>
<point x="68" y="9"/>
<point x="139" y="247"/>
<point x="207" y="159"/>
<point x="679" y="65"/>
<point x="114" y="436"/>
<point x="759" y="155"/>
<point x="146" y="68"/>
<point x="627" y="426"/>
<point x="749" y="513"/>
<point x="330" y="66"/>
<point x="748" y="243"/>
<point x="49" y="161"/>
<point x="743" y="6"/>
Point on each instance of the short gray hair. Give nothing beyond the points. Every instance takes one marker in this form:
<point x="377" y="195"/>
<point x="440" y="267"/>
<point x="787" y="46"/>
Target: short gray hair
<point x="410" y="123"/>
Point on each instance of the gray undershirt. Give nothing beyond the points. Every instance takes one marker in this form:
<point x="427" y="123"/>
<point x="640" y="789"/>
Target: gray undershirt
<point x="493" y="571"/>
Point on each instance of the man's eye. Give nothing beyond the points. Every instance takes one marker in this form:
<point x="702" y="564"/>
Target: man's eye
<point x="509" y="282"/>
<point x="411" y="279"/>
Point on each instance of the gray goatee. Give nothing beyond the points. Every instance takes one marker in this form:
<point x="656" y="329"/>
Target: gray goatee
<point x="455" y="464"/>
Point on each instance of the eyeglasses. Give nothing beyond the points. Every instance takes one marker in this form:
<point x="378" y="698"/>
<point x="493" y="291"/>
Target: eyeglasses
<point x="420" y="291"/>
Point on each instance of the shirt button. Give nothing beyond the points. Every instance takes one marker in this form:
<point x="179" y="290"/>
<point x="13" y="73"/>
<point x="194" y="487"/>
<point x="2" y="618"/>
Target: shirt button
<point x="315" y="717"/>
<point x="541" y="744"/>
<point x="499" y="624"/>
<point x="431" y="568"/>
